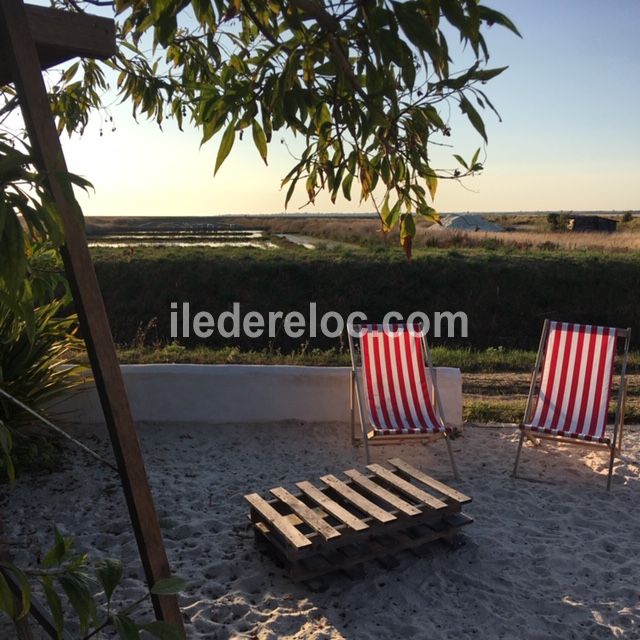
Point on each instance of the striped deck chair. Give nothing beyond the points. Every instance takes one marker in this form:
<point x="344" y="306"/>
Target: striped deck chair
<point x="571" y="387"/>
<point x="400" y="401"/>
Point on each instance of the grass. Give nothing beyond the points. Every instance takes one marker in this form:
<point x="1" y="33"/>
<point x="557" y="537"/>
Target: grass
<point x="489" y="360"/>
<point x="487" y="411"/>
<point x="176" y="353"/>
<point x="511" y="410"/>
<point x="469" y="361"/>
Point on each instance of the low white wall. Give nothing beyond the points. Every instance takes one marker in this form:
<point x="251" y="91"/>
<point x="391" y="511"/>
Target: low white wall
<point x="239" y="393"/>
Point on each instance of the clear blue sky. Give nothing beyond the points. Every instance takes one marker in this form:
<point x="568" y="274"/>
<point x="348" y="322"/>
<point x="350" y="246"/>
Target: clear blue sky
<point x="569" y="139"/>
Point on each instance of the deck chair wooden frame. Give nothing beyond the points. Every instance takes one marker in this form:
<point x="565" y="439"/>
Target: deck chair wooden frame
<point x="612" y="444"/>
<point x="357" y="401"/>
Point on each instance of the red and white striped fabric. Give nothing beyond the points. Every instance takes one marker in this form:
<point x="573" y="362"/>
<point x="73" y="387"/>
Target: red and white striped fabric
<point x="575" y="387"/>
<point x="395" y="381"/>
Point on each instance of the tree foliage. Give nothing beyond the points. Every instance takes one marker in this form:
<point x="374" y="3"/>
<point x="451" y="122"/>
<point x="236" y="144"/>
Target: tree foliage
<point x="364" y="84"/>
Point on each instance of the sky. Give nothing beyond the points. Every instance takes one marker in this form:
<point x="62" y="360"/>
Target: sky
<point x="569" y="139"/>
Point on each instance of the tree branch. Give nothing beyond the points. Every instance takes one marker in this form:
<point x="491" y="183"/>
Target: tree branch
<point x="100" y="3"/>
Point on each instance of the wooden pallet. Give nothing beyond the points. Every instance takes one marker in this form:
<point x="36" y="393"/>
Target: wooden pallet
<point x="343" y="523"/>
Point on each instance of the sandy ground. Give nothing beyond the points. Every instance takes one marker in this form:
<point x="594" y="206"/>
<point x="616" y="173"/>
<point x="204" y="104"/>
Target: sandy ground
<point x="552" y="555"/>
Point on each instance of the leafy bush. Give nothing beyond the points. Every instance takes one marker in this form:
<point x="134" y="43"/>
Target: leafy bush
<point x="35" y="351"/>
<point x="553" y="220"/>
<point x="67" y="574"/>
<point x="557" y="221"/>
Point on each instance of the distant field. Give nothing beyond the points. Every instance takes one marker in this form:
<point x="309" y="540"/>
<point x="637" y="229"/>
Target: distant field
<point x="524" y="232"/>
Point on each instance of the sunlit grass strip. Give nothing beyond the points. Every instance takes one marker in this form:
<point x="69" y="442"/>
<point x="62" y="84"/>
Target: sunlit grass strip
<point x="492" y="360"/>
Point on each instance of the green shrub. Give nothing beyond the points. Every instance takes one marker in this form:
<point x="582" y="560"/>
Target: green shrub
<point x="35" y="365"/>
<point x="75" y="588"/>
<point x="505" y="296"/>
<point x="553" y="220"/>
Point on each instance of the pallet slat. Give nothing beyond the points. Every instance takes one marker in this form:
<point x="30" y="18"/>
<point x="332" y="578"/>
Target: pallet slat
<point x="395" y="501"/>
<point x="418" y="475"/>
<point x="413" y="519"/>
<point x="332" y="507"/>
<point x="406" y="487"/>
<point x="366" y="506"/>
<point x="278" y="522"/>
<point x="306" y="514"/>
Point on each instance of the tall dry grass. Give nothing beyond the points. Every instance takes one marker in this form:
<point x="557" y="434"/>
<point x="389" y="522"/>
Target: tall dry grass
<point x="620" y="242"/>
<point x="369" y="232"/>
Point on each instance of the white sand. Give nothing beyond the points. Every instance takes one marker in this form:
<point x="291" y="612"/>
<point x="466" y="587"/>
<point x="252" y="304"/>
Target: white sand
<point x="554" y="556"/>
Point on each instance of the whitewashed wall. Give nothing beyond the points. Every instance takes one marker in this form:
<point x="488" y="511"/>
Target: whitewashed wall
<point x="239" y="393"/>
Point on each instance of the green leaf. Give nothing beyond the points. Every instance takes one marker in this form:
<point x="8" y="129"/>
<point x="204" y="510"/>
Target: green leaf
<point x="55" y="605"/>
<point x="432" y="184"/>
<point x="81" y="600"/>
<point x="56" y="554"/>
<point x="162" y="631"/>
<point x="408" y="71"/>
<point x="461" y="160"/>
<point x="432" y="116"/>
<point x="70" y="72"/>
<point x="290" y="190"/>
<point x="407" y="227"/>
<point x="384" y="213"/>
<point x="169" y="586"/>
<point x="260" y="140"/>
<point x="366" y="178"/>
<point x="419" y="31"/>
<point x="13" y="265"/>
<point x="474" y="117"/>
<point x="487" y="74"/>
<point x="25" y="591"/>
<point x="323" y="116"/>
<point x="6" y="445"/>
<point x="225" y="145"/>
<point x="454" y="13"/>
<point x="79" y="181"/>
<point x="392" y="215"/>
<point x="346" y="186"/>
<point x="428" y="212"/>
<point x="491" y="16"/>
<point x="109" y="573"/>
<point x="7" y="602"/>
<point x="127" y="629"/>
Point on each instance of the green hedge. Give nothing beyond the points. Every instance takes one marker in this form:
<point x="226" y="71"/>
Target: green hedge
<point x="505" y="296"/>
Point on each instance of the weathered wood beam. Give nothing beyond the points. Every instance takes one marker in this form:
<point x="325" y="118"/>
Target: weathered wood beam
<point x="23" y="62"/>
<point x="62" y="35"/>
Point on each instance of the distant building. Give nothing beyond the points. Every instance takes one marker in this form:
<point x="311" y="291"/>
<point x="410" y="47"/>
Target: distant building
<point x="591" y="223"/>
